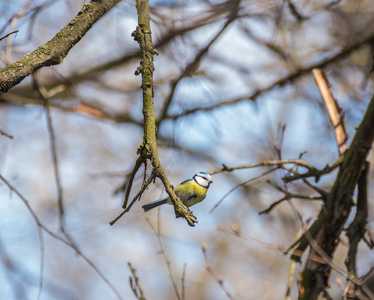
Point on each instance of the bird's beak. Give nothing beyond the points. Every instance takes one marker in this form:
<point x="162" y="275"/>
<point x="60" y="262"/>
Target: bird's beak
<point x="211" y="181"/>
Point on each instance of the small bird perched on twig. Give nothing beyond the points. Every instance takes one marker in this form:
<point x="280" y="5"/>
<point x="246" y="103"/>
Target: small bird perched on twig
<point x="190" y="191"/>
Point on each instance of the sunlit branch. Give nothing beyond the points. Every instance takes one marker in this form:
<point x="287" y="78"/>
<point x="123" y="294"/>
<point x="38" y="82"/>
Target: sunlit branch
<point x="334" y="110"/>
<point x="148" y="149"/>
<point x="54" y="51"/>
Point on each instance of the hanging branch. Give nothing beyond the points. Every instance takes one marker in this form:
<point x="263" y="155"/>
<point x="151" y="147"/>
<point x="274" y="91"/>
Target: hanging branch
<point x="147" y="151"/>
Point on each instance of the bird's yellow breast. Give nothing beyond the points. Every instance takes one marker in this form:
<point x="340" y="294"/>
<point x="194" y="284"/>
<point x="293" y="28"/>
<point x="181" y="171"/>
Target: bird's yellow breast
<point x="190" y="192"/>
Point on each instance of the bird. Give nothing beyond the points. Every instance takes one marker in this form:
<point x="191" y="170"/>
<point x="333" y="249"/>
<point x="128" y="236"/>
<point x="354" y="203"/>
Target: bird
<point x="190" y="191"/>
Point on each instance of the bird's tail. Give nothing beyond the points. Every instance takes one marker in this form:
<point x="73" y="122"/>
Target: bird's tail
<point x="154" y="204"/>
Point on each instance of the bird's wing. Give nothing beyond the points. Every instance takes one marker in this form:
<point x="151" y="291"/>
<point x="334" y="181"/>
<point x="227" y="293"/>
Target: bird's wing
<point x="183" y="182"/>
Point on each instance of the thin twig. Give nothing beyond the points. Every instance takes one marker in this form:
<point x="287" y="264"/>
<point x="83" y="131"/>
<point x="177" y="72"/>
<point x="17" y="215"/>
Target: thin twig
<point x="12" y="26"/>
<point x="60" y="198"/>
<point x="5" y="36"/>
<point x="42" y="257"/>
<point x="210" y="270"/>
<point x="7" y="135"/>
<point x="312" y="171"/>
<point x="183" y="293"/>
<point x="135" y="284"/>
<point x="288" y="196"/>
<point x="235" y="230"/>
<point x="239" y="185"/>
<point x="139" y="161"/>
<point x="167" y="261"/>
<point x="137" y="197"/>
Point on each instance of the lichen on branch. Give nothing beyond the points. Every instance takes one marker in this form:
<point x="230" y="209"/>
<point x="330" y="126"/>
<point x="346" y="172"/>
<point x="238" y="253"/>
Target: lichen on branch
<point x="147" y="151"/>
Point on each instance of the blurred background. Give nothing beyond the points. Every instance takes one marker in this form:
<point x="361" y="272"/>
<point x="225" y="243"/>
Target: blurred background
<point x="229" y="77"/>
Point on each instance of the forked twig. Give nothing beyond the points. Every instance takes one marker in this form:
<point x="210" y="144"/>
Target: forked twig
<point x="135" y="284"/>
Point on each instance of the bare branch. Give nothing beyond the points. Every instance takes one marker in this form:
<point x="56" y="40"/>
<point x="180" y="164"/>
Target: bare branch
<point x="54" y="51"/>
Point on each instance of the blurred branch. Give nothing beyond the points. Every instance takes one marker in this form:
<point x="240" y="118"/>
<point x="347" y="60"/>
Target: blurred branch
<point x="312" y="171"/>
<point x="208" y="17"/>
<point x="5" y="134"/>
<point x="167" y="261"/>
<point x="334" y="110"/>
<point x="325" y="231"/>
<point x="356" y="229"/>
<point x="84" y="108"/>
<point x="194" y="64"/>
<point x="54" y="51"/>
<point x="42" y="258"/>
<point x="210" y="270"/>
<point x="52" y="138"/>
<point x="148" y="149"/>
<point x="294" y="11"/>
<point x="236" y="231"/>
<point x="289" y="78"/>
<point x="239" y="185"/>
<point x="55" y="236"/>
<point x="183" y="281"/>
<point x="12" y="26"/>
<point x="60" y="198"/>
<point x="135" y="284"/>
<point x="287" y="196"/>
